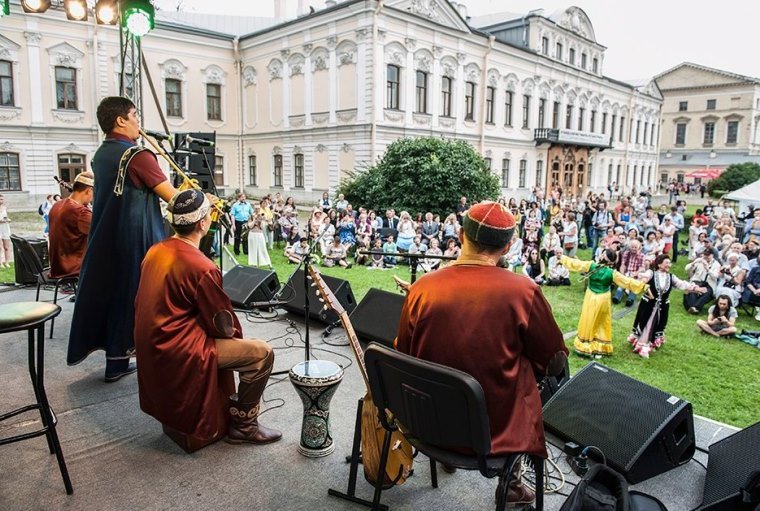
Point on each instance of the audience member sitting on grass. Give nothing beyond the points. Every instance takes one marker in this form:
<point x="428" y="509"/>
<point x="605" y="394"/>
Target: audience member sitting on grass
<point x="450" y="228"/>
<point x="431" y="264"/>
<point x="389" y="247"/>
<point x="296" y="252"/>
<point x="406" y="231"/>
<point x="325" y="234"/>
<point x="514" y="256"/>
<point x="336" y="254"/>
<point x="558" y="274"/>
<point x="550" y="243"/>
<point x="363" y="244"/>
<point x="733" y="277"/>
<point x="452" y="250"/>
<point x="534" y="267"/>
<point x="376" y="260"/>
<point x="430" y="229"/>
<point x="721" y="318"/>
<point x="751" y="293"/>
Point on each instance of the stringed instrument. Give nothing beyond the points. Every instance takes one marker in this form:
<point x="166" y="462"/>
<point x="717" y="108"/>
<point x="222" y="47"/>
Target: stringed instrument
<point x="401" y="456"/>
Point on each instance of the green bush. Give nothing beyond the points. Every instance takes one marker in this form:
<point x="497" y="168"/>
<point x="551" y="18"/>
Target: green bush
<point x="420" y="175"/>
<point x="733" y="178"/>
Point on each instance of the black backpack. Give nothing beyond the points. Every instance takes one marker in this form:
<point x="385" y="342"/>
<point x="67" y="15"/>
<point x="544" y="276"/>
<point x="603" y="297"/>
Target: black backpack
<point x="604" y="489"/>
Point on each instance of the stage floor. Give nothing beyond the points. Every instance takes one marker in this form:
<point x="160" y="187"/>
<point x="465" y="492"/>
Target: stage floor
<point x="119" y="458"/>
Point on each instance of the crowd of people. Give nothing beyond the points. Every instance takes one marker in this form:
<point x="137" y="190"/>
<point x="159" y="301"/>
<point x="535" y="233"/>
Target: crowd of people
<point x="635" y="241"/>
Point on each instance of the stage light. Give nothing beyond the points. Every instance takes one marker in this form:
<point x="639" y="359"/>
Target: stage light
<point x="35" y="6"/>
<point x="76" y="10"/>
<point x="5" y="8"/>
<point x="107" y="12"/>
<point x="138" y="16"/>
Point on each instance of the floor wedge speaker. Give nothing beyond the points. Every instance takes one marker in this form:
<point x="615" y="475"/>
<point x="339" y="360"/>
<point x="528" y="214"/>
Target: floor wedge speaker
<point x="641" y="430"/>
<point x="729" y="464"/>
<point x="295" y="297"/>
<point x="376" y="317"/>
<point x="247" y="284"/>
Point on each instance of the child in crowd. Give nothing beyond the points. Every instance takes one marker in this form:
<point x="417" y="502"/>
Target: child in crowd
<point x="376" y="259"/>
<point x="362" y="245"/>
<point x="389" y="247"/>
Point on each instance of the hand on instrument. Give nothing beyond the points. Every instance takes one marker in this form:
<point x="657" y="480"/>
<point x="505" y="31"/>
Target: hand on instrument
<point x="402" y="284"/>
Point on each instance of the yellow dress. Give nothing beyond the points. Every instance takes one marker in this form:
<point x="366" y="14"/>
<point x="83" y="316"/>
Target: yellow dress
<point x="594" y="337"/>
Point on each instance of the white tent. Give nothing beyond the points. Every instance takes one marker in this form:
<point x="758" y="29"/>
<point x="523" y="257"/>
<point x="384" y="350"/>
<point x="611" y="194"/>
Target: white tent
<point x="746" y="196"/>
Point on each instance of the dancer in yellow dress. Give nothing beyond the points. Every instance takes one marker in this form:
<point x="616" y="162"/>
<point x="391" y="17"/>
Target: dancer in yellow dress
<point x="594" y="337"/>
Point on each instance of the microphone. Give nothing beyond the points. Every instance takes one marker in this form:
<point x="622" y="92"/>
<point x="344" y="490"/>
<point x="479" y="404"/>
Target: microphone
<point x="199" y="141"/>
<point x="158" y="135"/>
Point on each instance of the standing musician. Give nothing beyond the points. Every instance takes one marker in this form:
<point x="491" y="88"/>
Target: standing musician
<point x="492" y="324"/>
<point x="186" y="334"/>
<point x="126" y="221"/>
<point x="69" y="227"/>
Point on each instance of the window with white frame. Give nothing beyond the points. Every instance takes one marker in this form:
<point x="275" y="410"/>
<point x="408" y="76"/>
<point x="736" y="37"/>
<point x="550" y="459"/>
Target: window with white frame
<point x="732" y="132"/>
<point x="277" y="165"/>
<point x="545" y="45"/>
<point x="508" y="108"/>
<point x="571" y="56"/>
<point x="505" y="173"/>
<point x="526" y="112"/>
<point x="681" y="133"/>
<point x="298" y="170"/>
<point x="709" y="137"/>
<point x="70" y="165"/>
<point x="66" y="88"/>
<point x="421" y="89"/>
<point x="6" y="83"/>
<point x="252" y="170"/>
<point x="173" y="97"/>
<point x="218" y="170"/>
<point x="393" y="76"/>
<point x="541" y="112"/>
<point x="469" y="101"/>
<point x="446" y="96"/>
<point x="488" y="163"/>
<point x="540" y="173"/>
<point x="213" y="102"/>
<point x="523" y="171"/>
<point x="10" y="172"/>
<point x="490" y="95"/>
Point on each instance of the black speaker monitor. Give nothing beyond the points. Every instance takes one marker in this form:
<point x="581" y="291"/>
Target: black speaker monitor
<point x="730" y="463"/>
<point x="247" y="284"/>
<point x="642" y="430"/>
<point x="294" y="294"/>
<point x="377" y="316"/>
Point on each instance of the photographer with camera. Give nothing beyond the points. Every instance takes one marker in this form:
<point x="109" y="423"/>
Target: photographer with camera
<point x="732" y="278"/>
<point x="601" y="221"/>
<point x="705" y="272"/>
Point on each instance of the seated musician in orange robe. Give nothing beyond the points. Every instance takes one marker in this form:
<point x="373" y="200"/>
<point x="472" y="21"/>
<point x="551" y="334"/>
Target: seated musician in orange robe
<point x="69" y="228"/>
<point x="492" y="324"/>
<point x="188" y="339"/>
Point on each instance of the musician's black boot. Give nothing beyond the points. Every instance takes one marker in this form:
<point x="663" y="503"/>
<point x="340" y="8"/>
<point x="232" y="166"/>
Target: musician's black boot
<point x="244" y="408"/>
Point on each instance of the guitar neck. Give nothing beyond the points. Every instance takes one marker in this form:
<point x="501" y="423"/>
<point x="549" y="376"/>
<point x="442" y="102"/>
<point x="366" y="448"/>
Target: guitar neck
<point x="354" y="341"/>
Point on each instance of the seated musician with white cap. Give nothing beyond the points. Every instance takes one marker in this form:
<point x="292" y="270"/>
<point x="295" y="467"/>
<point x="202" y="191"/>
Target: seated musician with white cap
<point x="69" y="228"/>
<point x="188" y="339"/>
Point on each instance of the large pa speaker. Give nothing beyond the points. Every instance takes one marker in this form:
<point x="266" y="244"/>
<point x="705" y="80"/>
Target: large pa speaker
<point x="294" y="294"/>
<point x="730" y="463"/>
<point x="377" y="316"/>
<point x="641" y="430"/>
<point x="246" y="284"/>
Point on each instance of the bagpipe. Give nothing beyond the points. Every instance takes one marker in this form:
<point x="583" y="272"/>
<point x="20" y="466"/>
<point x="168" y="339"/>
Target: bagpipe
<point x="218" y="215"/>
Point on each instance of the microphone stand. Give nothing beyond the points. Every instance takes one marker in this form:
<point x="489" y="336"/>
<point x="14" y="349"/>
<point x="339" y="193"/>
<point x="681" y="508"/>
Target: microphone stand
<point x="306" y="263"/>
<point x="414" y="258"/>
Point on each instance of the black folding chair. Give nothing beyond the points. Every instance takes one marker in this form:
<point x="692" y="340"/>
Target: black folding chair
<point x="33" y="264"/>
<point x="438" y="408"/>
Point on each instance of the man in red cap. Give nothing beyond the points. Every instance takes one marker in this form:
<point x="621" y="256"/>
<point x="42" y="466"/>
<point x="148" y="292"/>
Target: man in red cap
<point x="69" y="227"/>
<point x="492" y="324"/>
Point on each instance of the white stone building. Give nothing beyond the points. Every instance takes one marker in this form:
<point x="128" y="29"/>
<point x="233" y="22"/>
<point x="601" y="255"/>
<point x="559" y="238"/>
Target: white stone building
<point x="298" y="104"/>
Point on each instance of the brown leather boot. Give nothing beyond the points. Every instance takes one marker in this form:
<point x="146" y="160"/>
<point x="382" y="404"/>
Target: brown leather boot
<point x="244" y="408"/>
<point x="245" y="427"/>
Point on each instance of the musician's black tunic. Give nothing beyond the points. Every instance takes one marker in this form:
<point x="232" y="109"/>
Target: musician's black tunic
<point x="123" y="228"/>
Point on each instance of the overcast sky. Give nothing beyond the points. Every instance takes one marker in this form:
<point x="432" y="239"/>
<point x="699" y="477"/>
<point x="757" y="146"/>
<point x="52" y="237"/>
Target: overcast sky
<point x="643" y="37"/>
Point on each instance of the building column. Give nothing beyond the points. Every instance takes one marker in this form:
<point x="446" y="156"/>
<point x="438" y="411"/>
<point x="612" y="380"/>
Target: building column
<point x="361" y="75"/>
<point x="285" y="95"/>
<point x="434" y="85"/>
<point x="458" y="105"/>
<point x="410" y="82"/>
<point x="307" y="88"/>
<point x="35" y="78"/>
<point x="332" y="42"/>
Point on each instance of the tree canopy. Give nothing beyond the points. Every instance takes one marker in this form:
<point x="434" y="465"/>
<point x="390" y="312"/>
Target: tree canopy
<point x="734" y="177"/>
<point x="420" y="175"/>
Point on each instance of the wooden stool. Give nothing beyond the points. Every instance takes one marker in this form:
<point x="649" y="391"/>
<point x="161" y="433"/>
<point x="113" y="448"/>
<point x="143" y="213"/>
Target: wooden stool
<point x="31" y="316"/>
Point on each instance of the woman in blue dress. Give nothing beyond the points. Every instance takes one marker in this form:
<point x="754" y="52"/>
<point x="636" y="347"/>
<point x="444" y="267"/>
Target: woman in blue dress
<point x="347" y="230"/>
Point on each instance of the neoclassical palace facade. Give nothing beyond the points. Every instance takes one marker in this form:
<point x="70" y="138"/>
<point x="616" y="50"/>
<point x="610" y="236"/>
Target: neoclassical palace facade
<point x="299" y="104"/>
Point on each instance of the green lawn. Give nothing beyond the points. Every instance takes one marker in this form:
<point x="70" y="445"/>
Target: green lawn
<point x="721" y="378"/>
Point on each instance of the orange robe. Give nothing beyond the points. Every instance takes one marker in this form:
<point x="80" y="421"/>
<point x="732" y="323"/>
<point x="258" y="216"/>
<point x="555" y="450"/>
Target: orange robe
<point x="69" y="228"/>
<point x="496" y="326"/>
<point x="180" y="308"/>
